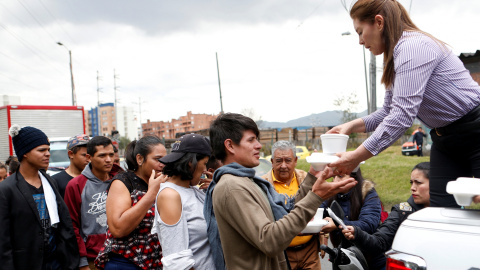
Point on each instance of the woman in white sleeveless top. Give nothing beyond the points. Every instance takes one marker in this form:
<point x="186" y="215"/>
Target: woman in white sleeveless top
<point x="179" y="220"/>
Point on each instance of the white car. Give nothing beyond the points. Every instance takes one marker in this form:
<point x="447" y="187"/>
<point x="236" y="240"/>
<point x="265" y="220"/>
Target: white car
<point x="58" y="155"/>
<point x="440" y="238"/>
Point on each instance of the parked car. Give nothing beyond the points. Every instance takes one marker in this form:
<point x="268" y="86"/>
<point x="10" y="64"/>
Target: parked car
<point x="410" y="148"/>
<point x="58" y="155"/>
<point x="302" y="152"/>
<point x="438" y="237"/>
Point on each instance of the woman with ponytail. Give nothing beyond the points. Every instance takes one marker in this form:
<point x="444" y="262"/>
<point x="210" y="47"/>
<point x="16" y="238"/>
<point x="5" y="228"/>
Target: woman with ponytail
<point x="131" y="209"/>
<point x="424" y="80"/>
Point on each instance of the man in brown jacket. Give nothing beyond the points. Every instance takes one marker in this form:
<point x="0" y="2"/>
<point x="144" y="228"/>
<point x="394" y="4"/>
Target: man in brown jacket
<point x="303" y="250"/>
<point x="254" y="228"/>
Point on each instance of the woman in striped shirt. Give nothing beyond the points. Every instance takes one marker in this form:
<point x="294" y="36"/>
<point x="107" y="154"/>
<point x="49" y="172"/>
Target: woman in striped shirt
<point x="423" y="79"/>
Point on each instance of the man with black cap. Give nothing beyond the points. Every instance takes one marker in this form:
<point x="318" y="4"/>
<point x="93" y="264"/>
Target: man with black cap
<point x="77" y="153"/>
<point x="35" y="227"/>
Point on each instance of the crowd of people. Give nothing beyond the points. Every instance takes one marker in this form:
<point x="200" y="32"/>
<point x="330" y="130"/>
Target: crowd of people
<point x="201" y="206"/>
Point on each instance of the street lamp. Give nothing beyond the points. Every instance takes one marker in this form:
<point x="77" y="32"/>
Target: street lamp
<point x="74" y="100"/>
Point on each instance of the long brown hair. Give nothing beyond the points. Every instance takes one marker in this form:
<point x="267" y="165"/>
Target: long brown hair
<point x="396" y="21"/>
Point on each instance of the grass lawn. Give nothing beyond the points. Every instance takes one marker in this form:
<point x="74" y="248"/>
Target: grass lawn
<point x="390" y="171"/>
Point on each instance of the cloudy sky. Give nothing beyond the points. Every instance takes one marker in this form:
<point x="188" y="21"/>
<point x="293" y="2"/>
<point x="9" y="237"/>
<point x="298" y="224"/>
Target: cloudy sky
<point x="282" y="58"/>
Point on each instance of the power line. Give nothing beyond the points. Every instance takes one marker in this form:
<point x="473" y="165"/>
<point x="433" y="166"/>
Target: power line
<point x="56" y="21"/>
<point x="39" y="23"/>
<point x="315" y="9"/>
<point x="28" y="46"/>
<point x="13" y="14"/>
<point x="20" y="82"/>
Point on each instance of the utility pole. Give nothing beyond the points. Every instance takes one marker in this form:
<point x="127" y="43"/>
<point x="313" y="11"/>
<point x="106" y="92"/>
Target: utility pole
<point x="115" y="77"/>
<point x="140" y="114"/>
<point x="219" y="87"/>
<point x="74" y="98"/>
<point x="140" y="109"/>
<point x="98" y="89"/>
<point x="373" y="83"/>
<point x="366" y="81"/>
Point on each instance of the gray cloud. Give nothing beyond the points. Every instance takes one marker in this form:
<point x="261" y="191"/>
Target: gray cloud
<point x="160" y="17"/>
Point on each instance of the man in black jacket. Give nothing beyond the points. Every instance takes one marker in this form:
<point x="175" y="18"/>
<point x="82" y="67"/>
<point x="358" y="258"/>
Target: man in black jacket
<point x="36" y="231"/>
<point x="381" y="241"/>
<point x="418" y="138"/>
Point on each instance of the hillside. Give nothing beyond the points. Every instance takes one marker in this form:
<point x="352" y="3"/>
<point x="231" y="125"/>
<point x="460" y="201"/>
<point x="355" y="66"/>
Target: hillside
<point x="325" y="119"/>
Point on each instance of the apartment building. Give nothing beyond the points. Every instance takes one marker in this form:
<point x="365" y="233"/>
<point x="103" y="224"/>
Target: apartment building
<point x="190" y="123"/>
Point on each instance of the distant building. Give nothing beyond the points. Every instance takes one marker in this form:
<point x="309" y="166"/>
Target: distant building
<point x="102" y="120"/>
<point x="9" y="100"/>
<point x="472" y="63"/>
<point x="127" y="123"/>
<point x="191" y="123"/>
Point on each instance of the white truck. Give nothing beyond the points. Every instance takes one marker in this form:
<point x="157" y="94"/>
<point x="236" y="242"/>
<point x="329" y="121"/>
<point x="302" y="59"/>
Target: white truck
<point x="58" y="122"/>
<point x="439" y="237"/>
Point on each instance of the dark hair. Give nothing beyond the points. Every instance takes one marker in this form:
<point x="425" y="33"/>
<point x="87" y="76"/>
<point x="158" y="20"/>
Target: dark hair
<point x="143" y="147"/>
<point x="184" y="167"/>
<point x="356" y="196"/>
<point x="97" y="141"/>
<point x="76" y="148"/>
<point x="13" y="166"/>
<point x="9" y="159"/>
<point x="213" y="163"/>
<point x="229" y="126"/>
<point x="396" y="21"/>
<point x="423" y="167"/>
<point x="115" y="149"/>
<point x="2" y="166"/>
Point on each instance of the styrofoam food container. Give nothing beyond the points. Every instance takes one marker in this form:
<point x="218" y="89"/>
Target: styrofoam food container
<point x="334" y="143"/>
<point x="319" y="160"/>
<point x="464" y="189"/>
<point x="316" y="224"/>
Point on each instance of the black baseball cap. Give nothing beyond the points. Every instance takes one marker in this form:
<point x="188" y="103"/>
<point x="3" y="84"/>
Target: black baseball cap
<point x="190" y="143"/>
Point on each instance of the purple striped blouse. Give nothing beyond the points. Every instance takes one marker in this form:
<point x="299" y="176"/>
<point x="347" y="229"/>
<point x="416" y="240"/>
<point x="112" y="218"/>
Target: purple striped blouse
<point x="431" y="83"/>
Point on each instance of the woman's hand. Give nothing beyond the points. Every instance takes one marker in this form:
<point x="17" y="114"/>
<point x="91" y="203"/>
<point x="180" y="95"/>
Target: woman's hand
<point x="341" y="129"/>
<point x="205" y="182"/>
<point x="354" y="126"/>
<point x="154" y="182"/>
<point x="349" y="232"/>
<point x="349" y="160"/>
<point x="346" y="164"/>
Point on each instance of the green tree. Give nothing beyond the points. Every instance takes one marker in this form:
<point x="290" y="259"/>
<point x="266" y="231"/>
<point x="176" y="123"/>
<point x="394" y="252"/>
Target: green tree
<point x="250" y="112"/>
<point x="124" y="141"/>
<point x="348" y="104"/>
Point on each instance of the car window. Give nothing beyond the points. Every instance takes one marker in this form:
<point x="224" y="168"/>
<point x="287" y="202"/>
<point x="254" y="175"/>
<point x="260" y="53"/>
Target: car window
<point x="262" y="168"/>
<point x="299" y="150"/>
<point x="58" y="152"/>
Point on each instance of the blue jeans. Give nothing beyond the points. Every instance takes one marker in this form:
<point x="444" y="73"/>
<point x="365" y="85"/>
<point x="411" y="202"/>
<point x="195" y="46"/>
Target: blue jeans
<point x="117" y="262"/>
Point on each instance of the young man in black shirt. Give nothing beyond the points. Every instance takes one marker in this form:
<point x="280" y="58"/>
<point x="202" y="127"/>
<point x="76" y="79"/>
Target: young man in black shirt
<point x="36" y="231"/>
<point x="77" y="153"/>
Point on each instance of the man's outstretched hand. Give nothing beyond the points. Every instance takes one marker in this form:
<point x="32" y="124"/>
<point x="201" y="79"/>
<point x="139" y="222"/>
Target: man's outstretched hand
<point x="326" y="189"/>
